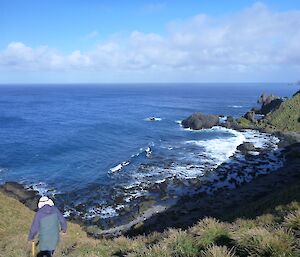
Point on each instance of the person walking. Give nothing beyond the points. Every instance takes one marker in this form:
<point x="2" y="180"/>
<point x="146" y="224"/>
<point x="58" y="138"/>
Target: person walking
<point x="47" y="222"/>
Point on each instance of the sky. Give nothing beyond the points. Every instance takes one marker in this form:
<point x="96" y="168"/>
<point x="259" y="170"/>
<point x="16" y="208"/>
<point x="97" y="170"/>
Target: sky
<point x="122" y="41"/>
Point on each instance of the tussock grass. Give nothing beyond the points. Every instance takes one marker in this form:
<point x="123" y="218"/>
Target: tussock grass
<point x="181" y="244"/>
<point x="292" y="220"/>
<point x="211" y="231"/>
<point x="158" y="250"/>
<point x="263" y="242"/>
<point x="218" y="251"/>
<point x="266" y="219"/>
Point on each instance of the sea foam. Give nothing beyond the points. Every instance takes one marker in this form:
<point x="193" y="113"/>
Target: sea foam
<point x="220" y="149"/>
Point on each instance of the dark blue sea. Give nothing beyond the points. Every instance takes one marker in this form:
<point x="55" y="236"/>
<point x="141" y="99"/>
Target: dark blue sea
<point x="90" y="144"/>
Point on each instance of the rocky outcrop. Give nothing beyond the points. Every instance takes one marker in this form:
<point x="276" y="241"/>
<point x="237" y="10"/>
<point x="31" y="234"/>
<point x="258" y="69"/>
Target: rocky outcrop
<point x="246" y="147"/>
<point x="230" y="123"/>
<point x="273" y="105"/>
<point x="298" y="92"/>
<point x="269" y="103"/>
<point x="266" y="99"/>
<point x="15" y="190"/>
<point x="199" y="120"/>
<point x="250" y="116"/>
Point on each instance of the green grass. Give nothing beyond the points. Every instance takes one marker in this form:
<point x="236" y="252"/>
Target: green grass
<point x="243" y="122"/>
<point x="286" y="117"/>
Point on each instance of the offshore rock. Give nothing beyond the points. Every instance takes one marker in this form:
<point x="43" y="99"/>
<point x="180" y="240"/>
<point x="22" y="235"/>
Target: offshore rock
<point x="246" y="147"/>
<point x="199" y="120"/>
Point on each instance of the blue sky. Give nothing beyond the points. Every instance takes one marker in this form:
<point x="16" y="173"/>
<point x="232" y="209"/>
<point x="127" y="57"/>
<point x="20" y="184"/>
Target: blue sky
<point x="149" y="41"/>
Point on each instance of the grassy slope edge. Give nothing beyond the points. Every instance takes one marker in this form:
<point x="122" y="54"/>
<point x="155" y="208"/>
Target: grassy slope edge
<point x="286" y="117"/>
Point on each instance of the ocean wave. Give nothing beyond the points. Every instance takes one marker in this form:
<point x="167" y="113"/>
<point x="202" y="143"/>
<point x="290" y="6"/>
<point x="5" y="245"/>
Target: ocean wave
<point x="147" y="150"/>
<point x="42" y="188"/>
<point x="209" y="130"/>
<point x="2" y="170"/>
<point x="235" y="106"/>
<point x="116" y="168"/>
<point x="188" y="172"/>
<point x="261" y="140"/>
<point x="220" y="149"/>
<point x="107" y="212"/>
<point x="120" y="166"/>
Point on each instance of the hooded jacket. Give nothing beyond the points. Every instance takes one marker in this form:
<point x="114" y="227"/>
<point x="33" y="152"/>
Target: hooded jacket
<point x="47" y="222"/>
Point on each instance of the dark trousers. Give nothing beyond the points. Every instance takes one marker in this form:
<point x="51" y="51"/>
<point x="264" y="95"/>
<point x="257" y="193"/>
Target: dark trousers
<point x="45" y="253"/>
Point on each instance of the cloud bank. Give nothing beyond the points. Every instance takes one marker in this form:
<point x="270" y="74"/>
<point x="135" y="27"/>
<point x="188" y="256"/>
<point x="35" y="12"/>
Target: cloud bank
<point x="246" y="46"/>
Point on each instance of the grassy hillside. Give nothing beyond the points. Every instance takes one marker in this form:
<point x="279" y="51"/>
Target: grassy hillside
<point x="286" y="117"/>
<point x="275" y="233"/>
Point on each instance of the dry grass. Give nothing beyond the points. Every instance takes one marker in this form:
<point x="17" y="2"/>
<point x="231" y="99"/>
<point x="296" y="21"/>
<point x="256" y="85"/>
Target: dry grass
<point x="263" y="242"/>
<point x="211" y="231"/>
<point x="181" y="244"/>
<point x="292" y="220"/>
<point x="218" y="251"/>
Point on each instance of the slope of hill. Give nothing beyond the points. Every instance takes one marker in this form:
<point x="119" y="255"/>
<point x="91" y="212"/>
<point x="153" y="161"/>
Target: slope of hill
<point x="286" y="117"/>
<point x="275" y="233"/>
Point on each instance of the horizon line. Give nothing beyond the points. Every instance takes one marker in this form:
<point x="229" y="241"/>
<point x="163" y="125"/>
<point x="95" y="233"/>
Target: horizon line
<point x="144" y="83"/>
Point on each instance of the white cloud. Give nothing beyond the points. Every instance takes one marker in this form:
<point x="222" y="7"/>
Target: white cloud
<point x="243" y="46"/>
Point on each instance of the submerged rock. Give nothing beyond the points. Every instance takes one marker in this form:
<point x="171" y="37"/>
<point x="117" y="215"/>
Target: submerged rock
<point x="199" y="120"/>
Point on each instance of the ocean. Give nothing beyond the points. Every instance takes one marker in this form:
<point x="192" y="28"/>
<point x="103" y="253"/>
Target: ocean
<point x="95" y="150"/>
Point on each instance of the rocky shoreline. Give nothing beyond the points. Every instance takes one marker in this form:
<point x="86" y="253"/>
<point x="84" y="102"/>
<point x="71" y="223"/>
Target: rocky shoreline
<point x="223" y="203"/>
<point x="218" y="202"/>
